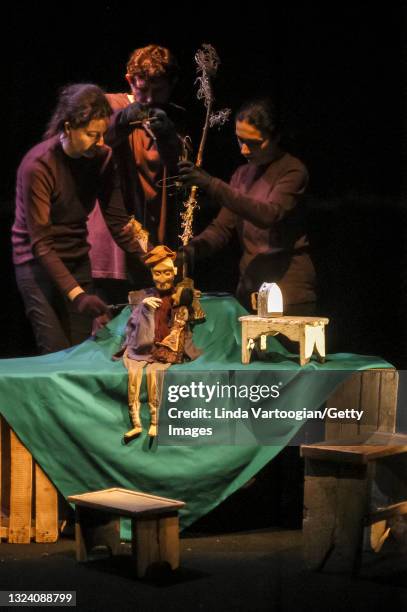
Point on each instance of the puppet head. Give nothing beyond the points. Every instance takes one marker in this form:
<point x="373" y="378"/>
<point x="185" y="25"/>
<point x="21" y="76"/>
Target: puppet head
<point x="161" y="261"/>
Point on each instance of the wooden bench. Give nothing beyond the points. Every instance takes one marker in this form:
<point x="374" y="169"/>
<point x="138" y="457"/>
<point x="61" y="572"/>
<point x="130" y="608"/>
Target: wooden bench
<point x="309" y="332"/>
<point x="154" y="525"/>
<point x="339" y="498"/>
<point x="28" y="499"/>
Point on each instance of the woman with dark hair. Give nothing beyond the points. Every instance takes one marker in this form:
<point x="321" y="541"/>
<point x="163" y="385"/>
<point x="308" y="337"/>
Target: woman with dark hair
<point x="58" y="182"/>
<point x="262" y="204"/>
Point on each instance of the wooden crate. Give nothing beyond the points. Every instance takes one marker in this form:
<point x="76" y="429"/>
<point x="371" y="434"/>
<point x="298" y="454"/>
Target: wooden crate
<point x="373" y="391"/>
<point x="28" y="499"/>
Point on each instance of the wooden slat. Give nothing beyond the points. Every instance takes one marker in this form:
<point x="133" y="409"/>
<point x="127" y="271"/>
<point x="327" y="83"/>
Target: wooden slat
<point x="373" y="391"/>
<point x="351" y="454"/>
<point x="169" y="540"/>
<point x="145" y="544"/>
<point x="388" y="400"/>
<point x="5" y="472"/>
<point x="353" y="390"/>
<point x="46" y="508"/>
<point x="369" y="400"/>
<point x="21" y="492"/>
<point x="347" y="395"/>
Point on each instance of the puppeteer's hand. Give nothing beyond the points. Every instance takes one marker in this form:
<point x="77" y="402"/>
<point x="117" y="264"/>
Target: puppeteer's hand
<point x="134" y="113"/>
<point x="90" y="305"/>
<point x="152" y="302"/>
<point x="190" y="175"/>
<point x="100" y="322"/>
<point x="160" y="124"/>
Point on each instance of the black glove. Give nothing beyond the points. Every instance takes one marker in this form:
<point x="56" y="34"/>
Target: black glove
<point x="185" y="255"/>
<point x="189" y="175"/>
<point x="90" y="305"/>
<point x="160" y="124"/>
<point x="134" y="112"/>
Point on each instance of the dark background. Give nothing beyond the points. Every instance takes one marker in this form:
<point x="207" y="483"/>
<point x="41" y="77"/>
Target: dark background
<point x="339" y="73"/>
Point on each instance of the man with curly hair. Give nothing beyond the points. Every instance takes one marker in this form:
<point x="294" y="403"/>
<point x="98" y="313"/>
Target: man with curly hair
<point x="144" y="133"/>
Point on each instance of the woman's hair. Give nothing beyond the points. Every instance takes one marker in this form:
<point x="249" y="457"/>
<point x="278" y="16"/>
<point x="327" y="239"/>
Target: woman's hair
<point x="78" y="104"/>
<point x="263" y="114"/>
<point x="152" y="62"/>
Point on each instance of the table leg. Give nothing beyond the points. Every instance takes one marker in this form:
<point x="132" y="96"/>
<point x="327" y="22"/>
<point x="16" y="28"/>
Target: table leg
<point x="155" y="540"/>
<point x="320" y="342"/>
<point x="245" y="349"/>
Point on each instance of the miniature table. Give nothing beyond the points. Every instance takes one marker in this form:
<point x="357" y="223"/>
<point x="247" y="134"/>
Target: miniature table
<point x="154" y="525"/>
<point x="308" y="331"/>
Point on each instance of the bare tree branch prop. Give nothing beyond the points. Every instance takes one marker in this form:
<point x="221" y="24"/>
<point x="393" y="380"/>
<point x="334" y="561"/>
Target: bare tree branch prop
<point x="207" y="61"/>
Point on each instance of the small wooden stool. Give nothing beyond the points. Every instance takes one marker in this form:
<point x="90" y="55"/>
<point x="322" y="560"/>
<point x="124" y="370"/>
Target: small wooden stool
<point x="308" y="331"/>
<point x="154" y="525"/>
<point x="339" y="501"/>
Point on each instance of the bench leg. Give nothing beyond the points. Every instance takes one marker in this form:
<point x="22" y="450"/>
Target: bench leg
<point x="155" y="540"/>
<point x="95" y="528"/>
<point x="336" y="499"/>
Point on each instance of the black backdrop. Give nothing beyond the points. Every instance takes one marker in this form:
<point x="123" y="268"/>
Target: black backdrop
<point x="339" y="74"/>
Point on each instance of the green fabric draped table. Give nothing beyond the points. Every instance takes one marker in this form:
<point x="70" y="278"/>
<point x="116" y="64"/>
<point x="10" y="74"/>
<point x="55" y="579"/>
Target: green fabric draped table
<point x="70" y="410"/>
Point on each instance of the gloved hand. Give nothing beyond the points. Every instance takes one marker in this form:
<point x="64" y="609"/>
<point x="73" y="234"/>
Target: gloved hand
<point x="134" y="112"/>
<point x="160" y="124"/>
<point x="190" y="175"/>
<point x="90" y="305"/>
<point x="186" y="255"/>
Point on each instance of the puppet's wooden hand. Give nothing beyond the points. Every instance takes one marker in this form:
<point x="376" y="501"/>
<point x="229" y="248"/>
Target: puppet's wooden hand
<point x="152" y="302"/>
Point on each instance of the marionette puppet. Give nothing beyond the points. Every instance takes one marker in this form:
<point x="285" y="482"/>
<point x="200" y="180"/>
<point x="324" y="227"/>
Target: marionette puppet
<point x="158" y="334"/>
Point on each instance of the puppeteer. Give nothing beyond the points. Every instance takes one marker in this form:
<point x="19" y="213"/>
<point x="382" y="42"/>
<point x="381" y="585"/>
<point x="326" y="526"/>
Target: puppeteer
<point x="158" y="334"/>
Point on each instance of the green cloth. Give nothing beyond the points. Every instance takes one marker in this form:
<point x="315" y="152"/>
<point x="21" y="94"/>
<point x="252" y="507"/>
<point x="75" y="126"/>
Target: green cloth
<point x="70" y="411"/>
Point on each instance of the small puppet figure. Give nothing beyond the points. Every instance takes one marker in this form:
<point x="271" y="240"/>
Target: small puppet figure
<point x="158" y="334"/>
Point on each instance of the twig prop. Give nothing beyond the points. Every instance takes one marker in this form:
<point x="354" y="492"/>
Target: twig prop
<point x="207" y="65"/>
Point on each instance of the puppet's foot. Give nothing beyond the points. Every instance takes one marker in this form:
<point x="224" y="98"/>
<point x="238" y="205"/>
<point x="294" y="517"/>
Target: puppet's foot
<point x="152" y="432"/>
<point x="132" y="433"/>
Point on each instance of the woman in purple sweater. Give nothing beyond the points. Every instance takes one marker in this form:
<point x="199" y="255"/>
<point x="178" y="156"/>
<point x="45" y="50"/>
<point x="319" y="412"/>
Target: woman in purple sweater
<point x="262" y="204"/>
<point x="58" y="182"/>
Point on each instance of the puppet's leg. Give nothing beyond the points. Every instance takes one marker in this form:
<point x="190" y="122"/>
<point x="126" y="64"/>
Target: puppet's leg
<point x="135" y="370"/>
<point x="155" y="381"/>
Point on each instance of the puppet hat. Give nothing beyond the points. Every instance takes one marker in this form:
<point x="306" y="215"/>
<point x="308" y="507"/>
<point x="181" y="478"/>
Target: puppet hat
<point x="157" y="254"/>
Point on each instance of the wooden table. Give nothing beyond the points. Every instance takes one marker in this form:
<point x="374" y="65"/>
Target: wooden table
<point x="154" y="524"/>
<point x="339" y="499"/>
<point x="308" y="331"/>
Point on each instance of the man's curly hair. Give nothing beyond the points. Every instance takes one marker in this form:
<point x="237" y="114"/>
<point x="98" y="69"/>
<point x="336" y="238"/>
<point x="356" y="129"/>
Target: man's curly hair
<point x="152" y="62"/>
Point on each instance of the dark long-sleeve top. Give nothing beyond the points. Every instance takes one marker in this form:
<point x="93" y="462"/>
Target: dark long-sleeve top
<point x="54" y="196"/>
<point x="141" y="161"/>
<point x="263" y="205"/>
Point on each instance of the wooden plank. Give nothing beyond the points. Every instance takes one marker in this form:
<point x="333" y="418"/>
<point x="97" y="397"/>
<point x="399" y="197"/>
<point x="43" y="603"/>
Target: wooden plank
<point x="351" y="454"/>
<point x="347" y="395"/>
<point x="369" y="400"/>
<point x="169" y="540"/>
<point x="335" y="503"/>
<point x="145" y="544"/>
<point x="5" y="473"/>
<point x="352" y="397"/>
<point x="319" y="512"/>
<point x="389" y="381"/>
<point x="373" y="391"/>
<point x="21" y="492"/>
<point x="46" y="508"/>
<point x="126" y="502"/>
